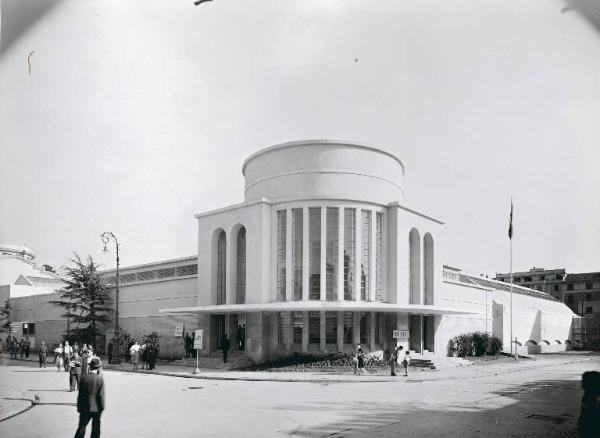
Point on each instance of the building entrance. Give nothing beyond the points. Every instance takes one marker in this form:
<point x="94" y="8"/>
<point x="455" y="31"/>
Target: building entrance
<point x="217" y="331"/>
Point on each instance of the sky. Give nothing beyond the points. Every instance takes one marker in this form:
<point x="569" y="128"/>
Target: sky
<point x="133" y="116"/>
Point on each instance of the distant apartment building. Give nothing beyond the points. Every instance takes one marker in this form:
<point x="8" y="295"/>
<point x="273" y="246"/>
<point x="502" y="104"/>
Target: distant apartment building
<point x="580" y="292"/>
<point x="550" y="281"/>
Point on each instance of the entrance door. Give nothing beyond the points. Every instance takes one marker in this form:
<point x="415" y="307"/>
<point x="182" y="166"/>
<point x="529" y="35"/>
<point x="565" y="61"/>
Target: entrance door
<point x="415" y="335"/>
<point x="217" y="331"/>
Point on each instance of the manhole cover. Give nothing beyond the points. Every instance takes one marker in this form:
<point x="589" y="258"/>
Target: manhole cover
<point x="555" y="420"/>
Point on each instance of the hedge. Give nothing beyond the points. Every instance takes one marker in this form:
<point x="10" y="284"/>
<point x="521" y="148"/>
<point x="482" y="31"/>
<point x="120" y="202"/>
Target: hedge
<point x="474" y="344"/>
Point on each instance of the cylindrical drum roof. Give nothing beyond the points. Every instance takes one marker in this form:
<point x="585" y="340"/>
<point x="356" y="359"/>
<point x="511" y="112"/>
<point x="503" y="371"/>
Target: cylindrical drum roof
<point x="323" y="169"/>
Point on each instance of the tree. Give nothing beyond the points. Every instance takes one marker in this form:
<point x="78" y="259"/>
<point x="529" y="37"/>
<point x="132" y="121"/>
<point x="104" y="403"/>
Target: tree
<point x="5" y="315"/>
<point x="84" y="298"/>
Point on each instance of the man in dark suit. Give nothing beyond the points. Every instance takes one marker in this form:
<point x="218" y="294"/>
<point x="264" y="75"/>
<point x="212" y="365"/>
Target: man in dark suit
<point x="225" y="346"/>
<point x="90" y="401"/>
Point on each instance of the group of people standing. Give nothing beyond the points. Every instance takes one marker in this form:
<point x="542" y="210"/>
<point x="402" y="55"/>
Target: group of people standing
<point x="145" y="353"/>
<point x="16" y="347"/>
<point x="76" y="360"/>
<point x="358" y="360"/>
<point x="395" y="356"/>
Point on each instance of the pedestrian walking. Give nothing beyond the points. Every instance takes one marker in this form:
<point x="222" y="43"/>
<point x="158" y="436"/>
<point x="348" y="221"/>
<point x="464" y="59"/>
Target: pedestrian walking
<point x="90" y="400"/>
<point x="43" y="354"/>
<point x="354" y="362"/>
<point x="27" y="347"/>
<point x="406" y="362"/>
<point x="21" y="348"/>
<point x="225" y="347"/>
<point x="152" y="355"/>
<point x="74" y="372"/>
<point x="110" y="352"/>
<point x="58" y="357"/>
<point x="188" y="344"/>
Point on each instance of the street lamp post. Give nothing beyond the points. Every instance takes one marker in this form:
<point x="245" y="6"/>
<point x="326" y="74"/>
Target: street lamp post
<point x="106" y="237"/>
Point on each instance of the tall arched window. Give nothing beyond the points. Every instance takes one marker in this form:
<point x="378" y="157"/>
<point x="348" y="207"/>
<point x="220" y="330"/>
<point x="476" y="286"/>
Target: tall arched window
<point x="414" y="267"/>
<point x="221" y="272"/>
<point x="240" y="287"/>
<point x="428" y="269"/>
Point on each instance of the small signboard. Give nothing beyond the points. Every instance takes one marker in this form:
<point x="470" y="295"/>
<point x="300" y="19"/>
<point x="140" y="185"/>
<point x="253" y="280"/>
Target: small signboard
<point x="400" y="334"/>
<point x="178" y="331"/>
<point x="198" y="339"/>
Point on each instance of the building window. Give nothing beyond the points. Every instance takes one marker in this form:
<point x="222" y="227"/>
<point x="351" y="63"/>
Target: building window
<point x="559" y="277"/>
<point x="542" y="277"/>
<point x="588" y="285"/>
<point x="378" y="258"/>
<point x="283" y="327"/>
<point x="588" y="297"/>
<point x="364" y="327"/>
<point x="556" y="288"/>
<point x="240" y="287"/>
<point x="365" y="263"/>
<point x="526" y="278"/>
<point x="378" y="323"/>
<point x="414" y="271"/>
<point x="588" y="309"/>
<point x="428" y="269"/>
<point x="349" y="252"/>
<point x="297" y="233"/>
<point x="570" y="299"/>
<point x="348" y="323"/>
<point x="298" y="323"/>
<point x="331" y="319"/>
<point x="314" y="327"/>
<point x="569" y="287"/>
<point x="221" y="272"/>
<point x="281" y="232"/>
<point x="314" y="261"/>
<point x="28" y="328"/>
<point x="332" y="252"/>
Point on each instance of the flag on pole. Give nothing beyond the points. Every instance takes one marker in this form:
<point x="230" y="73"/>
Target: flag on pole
<point x="510" y="228"/>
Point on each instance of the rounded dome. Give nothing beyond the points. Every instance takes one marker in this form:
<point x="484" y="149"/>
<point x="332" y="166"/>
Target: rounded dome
<point x="318" y="169"/>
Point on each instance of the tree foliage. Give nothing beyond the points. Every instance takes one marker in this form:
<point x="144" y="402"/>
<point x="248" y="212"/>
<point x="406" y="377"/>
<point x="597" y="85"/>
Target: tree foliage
<point x="5" y="315"/>
<point x="84" y="298"/>
<point x="474" y="344"/>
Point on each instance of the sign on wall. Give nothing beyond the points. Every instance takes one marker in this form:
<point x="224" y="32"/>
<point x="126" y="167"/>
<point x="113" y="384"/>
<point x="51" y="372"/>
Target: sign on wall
<point x="401" y="334"/>
<point x="178" y="330"/>
<point x="198" y="339"/>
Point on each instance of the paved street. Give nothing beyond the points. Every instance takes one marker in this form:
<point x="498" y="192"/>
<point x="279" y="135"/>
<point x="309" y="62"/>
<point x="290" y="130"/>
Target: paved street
<point x="536" y="398"/>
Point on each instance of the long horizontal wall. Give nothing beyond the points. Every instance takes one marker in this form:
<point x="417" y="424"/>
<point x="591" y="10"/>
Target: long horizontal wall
<point x="535" y="321"/>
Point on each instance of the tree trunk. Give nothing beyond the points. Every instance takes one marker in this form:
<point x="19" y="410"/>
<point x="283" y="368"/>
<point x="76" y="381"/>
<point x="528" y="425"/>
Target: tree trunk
<point x="94" y="334"/>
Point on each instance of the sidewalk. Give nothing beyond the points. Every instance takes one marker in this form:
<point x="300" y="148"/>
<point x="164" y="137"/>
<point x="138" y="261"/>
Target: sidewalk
<point x="343" y="376"/>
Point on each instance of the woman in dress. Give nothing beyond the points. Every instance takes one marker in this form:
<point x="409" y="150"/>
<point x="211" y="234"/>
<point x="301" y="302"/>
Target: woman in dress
<point x="58" y="357"/>
<point x="361" y="359"/>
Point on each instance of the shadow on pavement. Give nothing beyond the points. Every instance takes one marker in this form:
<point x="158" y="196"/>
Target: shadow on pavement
<point x="548" y="408"/>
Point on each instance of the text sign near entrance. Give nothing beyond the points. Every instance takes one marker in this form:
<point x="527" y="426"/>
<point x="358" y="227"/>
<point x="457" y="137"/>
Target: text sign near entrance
<point x="198" y="339"/>
<point x="401" y="334"/>
<point x="178" y="331"/>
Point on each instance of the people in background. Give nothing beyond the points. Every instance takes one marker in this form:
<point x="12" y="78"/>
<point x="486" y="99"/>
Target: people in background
<point x="238" y="335"/>
<point x="225" y="347"/>
<point x="91" y="400"/>
<point x="189" y="345"/>
<point x="58" y="357"/>
<point x="74" y="372"/>
<point x="144" y="356"/>
<point x="27" y="347"/>
<point x="134" y="353"/>
<point x="361" y="359"/>
<point x="406" y="362"/>
<point x="110" y="352"/>
<point x="67" y="354"/>
<point x="394" y="360"/>
<point x="152" y="355"/>
<point x="43" y="354"/>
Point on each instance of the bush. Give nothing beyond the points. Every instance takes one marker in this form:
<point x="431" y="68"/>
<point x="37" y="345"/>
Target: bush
<point x="474" y="344"/>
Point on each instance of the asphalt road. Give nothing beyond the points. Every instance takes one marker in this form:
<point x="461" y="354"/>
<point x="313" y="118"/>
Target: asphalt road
<point x="503" y="400"/>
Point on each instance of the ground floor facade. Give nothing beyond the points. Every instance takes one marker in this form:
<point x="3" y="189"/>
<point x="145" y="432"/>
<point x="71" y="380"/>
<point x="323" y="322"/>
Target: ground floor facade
<point x="267" y="335"/>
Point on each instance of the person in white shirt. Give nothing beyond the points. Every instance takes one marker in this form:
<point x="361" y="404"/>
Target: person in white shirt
<point x="135" y="355"/>
<point x="406" y="362"/>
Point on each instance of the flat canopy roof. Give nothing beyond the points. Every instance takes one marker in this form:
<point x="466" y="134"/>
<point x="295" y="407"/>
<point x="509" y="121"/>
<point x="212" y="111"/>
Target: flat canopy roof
<point x="332" y="306"/>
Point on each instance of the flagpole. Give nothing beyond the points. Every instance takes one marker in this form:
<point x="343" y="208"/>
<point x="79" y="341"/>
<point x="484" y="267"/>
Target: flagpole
<point x="511" y="282"/>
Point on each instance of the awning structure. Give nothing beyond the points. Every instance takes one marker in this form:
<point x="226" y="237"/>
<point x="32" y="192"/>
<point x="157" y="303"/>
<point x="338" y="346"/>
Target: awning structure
<point x="315" y="306"/>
